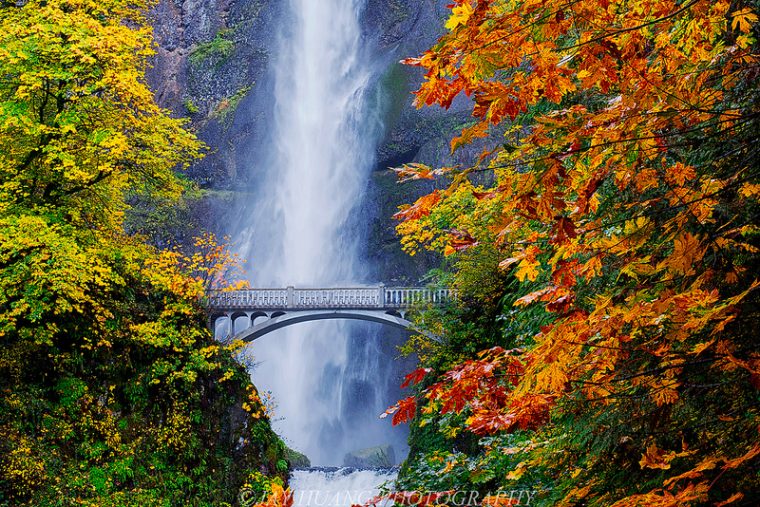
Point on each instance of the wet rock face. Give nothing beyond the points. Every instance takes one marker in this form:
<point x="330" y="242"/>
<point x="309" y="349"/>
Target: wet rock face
<point x="178" y="26"/>
<point x="391" y="21"/>
<point x="212" y="65"/>
<point x="211" y="58"/>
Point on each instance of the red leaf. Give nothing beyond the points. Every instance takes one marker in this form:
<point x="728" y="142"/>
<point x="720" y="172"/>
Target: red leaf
<point x="403" y="411"/>
<point x="414" y="62"/>
<point x="415" y="377"/>
<point x="490" y="422"/>
<point x="420" y="208"/>
<point x="564" y="229"/>
<point x="406" y="411"/>
<point x="533" y="296"/>
<point x="461" y="240"/>
<point x="414" y="171"/>
<point x="484" y="195"/>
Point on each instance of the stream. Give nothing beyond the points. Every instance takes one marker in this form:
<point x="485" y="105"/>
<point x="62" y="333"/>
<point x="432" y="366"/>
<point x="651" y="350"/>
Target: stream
<point x="337" y="487"/>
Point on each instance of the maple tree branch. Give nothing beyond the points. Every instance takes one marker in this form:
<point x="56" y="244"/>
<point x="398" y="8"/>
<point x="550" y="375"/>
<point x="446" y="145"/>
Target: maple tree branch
<point x="662" y="369"/>
<point x="606" y="144"/>
<point x="639" y="27"/>
<point x="102" y="175"/>
<point x="522" y="28"/>
<point x="626" y="30"/>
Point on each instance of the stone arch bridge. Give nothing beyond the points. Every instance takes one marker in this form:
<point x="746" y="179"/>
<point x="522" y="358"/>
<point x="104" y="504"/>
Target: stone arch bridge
<point x="251" y="314"/>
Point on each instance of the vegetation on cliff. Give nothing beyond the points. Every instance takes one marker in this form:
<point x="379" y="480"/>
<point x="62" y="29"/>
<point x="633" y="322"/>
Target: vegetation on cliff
<point x="604" y="351"/>
<point x="112" y="390"/>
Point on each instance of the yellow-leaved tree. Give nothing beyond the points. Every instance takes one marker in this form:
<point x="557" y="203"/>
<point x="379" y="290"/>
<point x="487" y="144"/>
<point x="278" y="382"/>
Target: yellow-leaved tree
<point x="112" y="389"/>
<point x="80" y="127"/>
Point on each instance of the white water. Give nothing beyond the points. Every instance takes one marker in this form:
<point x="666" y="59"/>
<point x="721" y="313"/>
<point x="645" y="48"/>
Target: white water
<point x="328" y="379"/>
<point x="341" y="487"/>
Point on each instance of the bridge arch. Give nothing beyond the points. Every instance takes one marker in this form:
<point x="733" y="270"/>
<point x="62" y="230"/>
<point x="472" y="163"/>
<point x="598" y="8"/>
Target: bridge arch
<point x="266" y="310"/>
<point x="285" y="319"/>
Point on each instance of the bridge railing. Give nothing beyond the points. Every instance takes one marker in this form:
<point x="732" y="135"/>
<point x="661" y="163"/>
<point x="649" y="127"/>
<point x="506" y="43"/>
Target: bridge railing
<point x="404" y="297"/>
<point x="264" y="298"/>
<point x="337" y="298"/>
<point x="377" y="297"/>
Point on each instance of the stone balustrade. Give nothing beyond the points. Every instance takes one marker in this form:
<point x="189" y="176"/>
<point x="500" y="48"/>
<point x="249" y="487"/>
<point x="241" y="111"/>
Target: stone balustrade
<point x="291" y="298"/>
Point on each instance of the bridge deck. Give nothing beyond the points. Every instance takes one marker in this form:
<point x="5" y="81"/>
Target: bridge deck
<point x="368" y="297"/>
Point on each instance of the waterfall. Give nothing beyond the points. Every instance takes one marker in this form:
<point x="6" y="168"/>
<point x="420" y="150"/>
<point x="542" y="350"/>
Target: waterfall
<point x="328" y="379"/>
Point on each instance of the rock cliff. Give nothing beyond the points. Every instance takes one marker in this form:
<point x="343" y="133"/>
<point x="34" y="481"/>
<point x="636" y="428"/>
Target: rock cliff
<point x="212" y="66"/>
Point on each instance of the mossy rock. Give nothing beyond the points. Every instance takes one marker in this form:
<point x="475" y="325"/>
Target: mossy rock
<point x="296" y="459"/>
<point x="381" y="456"/>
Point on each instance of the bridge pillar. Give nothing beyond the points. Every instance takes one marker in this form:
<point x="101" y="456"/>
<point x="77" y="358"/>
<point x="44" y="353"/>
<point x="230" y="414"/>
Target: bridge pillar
<point x="381" y="295"/>
<point x="291" y="296"/>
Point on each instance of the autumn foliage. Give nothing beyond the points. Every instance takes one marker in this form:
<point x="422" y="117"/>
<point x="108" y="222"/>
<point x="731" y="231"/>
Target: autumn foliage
<point x="112" y="390"/>
<point x="622" y="196"/>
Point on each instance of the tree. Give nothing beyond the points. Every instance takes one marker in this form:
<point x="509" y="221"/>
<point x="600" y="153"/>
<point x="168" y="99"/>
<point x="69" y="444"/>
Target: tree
<point x="112" y="389"/>
<point x="79" y="124"/>
<point x="624" y="149"/>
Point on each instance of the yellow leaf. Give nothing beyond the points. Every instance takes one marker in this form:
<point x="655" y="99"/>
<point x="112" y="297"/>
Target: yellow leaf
<point x="459" y="16"/>
<point x="527" y="269"/>
<point x="749" y="190"/>
<point x="687" y="252"/>
<point x="517" y="472"/>
<point x="666" y="394"/>
<point x="449" y="467"/>
<point x="737" y="462"/>
<point x="593" y="267"/>
<point x="658" y="458"/>
<point x="744" y="19"/>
